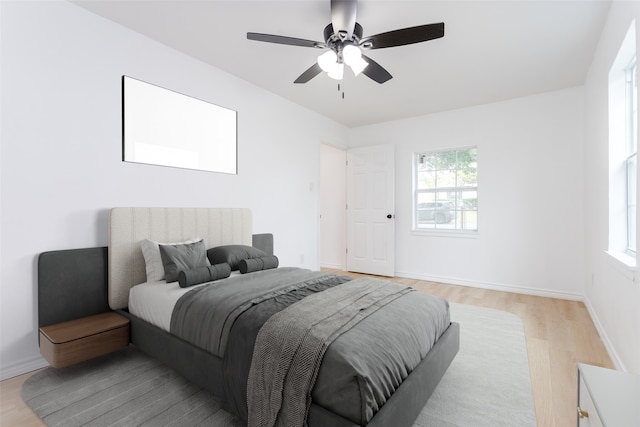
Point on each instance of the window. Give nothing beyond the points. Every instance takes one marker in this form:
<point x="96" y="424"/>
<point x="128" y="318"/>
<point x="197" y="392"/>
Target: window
<point x="623" y="147"/>
<point x="446" y="190"/>
<point x="631" y="127"/>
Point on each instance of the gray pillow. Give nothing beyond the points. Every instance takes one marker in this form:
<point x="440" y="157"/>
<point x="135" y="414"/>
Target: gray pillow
<point x="256" y="264"/>
<point x="233" y="254"/>
<point x="180" y="257"/>
<point x="196" y="276"/>
<point x="153" y="260"/>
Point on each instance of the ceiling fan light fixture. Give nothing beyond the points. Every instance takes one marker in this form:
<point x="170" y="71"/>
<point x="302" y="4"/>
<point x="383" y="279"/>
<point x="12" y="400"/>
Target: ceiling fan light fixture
<point x="328" y="61"/>
<point x="337" y="72"/>
<point x="351" y="53"/>
<point x="353" y="57"/>
<point x="358" y="66"/>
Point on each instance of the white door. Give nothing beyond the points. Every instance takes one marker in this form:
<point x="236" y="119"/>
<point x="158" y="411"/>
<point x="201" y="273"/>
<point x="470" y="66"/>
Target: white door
<point x="370" y="210"/>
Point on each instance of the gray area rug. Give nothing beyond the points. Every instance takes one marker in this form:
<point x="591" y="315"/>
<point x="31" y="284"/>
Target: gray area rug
<point x="488" y="384"/>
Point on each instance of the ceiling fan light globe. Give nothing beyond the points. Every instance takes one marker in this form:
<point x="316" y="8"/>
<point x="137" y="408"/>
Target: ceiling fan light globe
<point x="351" y="54"/>
<point x="337" y="72"/>
<point x="328" y="61"/>
<point x="358" y="66"/>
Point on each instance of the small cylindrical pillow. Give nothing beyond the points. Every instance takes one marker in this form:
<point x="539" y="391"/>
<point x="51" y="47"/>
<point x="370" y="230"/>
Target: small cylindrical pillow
<point x="196" y="276"/>
<point x="233" y="254"/>
<point x="256" y="264"/>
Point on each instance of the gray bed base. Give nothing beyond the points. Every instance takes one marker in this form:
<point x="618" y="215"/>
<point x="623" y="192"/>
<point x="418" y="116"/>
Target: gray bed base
<point x="205" y="370"/>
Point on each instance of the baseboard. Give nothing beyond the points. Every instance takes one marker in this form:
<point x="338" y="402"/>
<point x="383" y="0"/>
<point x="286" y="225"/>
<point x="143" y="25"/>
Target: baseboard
<point x="617" y="362"/>
<point x="22" y="367"/>
<point x="548" y="293"/>
<point x="333" y="266"/>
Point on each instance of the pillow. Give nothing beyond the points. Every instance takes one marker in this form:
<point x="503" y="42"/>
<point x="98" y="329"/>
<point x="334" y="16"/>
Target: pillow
<point x="256" y="264"/>
<point x="152" y="259"/>
<point x="182" y="257"/>
<point x="233" y="254"/>
<point x="199" y="275"/>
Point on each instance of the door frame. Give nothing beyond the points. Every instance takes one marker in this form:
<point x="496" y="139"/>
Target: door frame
<point x="332" y="216"/>
<point x="371" y="210"/>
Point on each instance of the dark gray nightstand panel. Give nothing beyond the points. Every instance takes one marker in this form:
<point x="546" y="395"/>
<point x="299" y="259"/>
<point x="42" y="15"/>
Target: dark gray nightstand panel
<point x="72" y="284"/>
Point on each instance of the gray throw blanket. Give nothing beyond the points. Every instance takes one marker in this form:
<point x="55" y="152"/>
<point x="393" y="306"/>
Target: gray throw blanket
<point x="290" y="346"/>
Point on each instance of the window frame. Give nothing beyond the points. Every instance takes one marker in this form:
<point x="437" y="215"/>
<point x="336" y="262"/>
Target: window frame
<point x="457" y="189"/>
<point x="631" y="151"/>
<point x="622" y="218"/>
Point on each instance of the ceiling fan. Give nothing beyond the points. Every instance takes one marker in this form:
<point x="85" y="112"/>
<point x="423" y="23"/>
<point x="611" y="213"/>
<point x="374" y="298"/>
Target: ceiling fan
<point x="343" y="37"/>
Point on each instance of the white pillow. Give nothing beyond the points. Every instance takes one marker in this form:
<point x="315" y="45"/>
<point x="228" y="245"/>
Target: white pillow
<point x="153" y="260"/>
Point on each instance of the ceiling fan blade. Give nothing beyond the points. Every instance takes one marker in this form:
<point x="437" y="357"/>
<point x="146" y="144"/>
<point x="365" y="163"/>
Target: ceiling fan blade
<point x="343" y="17"/>
<point x="292" y="41"/>
<point x="311" y="72"/>
<point x="404" y="36"/>
<point x="375" y="71"/>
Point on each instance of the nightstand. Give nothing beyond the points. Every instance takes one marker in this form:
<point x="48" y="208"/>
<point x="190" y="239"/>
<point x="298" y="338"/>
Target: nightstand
<point x="66" y="343"/>
<point x="607" y="397"/>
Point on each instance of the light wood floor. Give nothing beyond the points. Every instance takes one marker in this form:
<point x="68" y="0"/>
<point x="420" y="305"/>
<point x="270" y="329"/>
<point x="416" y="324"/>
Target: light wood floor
<point x="559" y="334"/>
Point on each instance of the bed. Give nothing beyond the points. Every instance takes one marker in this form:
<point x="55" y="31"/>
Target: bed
<point x="339" y="396"/>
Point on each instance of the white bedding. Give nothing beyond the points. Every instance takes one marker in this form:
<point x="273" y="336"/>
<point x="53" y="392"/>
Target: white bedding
<point x="154" y="301"/>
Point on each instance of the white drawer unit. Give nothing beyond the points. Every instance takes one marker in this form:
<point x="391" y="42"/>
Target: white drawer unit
<point x="607" y="397"/>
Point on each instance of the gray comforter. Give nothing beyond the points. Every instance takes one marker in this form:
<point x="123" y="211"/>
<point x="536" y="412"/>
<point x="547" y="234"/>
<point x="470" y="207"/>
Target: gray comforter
<point x="290" y="346"/>
<point x="360" y="369"/>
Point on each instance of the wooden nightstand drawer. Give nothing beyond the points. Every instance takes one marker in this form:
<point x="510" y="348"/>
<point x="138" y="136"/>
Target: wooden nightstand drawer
<point x="66" y="343"/>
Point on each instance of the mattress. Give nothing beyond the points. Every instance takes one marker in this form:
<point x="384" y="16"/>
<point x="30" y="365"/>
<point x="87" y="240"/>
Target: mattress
<point x="153" y="302"/>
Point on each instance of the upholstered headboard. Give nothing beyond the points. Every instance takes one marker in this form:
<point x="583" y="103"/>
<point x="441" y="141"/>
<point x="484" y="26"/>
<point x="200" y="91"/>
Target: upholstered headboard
<point x="129" y="226"/>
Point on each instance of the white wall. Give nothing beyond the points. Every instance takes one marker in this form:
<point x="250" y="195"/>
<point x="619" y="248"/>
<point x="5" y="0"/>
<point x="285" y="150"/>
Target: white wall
<point x="530" y="190"/>
<point x="612" y="292"/>
<point x="61" y="152"/>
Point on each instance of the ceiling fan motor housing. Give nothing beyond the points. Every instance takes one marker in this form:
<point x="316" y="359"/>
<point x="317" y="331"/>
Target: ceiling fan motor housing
<point x="333" y="39"/>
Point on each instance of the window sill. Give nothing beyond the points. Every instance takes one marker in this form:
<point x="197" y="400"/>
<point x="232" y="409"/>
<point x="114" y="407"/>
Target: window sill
<point x="458" y="234"/>
<point x="624" y="263"/>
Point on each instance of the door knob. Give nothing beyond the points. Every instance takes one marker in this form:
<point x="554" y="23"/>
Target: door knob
<point x="389" y="216"/>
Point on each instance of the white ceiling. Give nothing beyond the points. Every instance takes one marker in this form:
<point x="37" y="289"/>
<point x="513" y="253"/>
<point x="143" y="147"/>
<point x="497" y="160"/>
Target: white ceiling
<point x="491" y="51"/>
